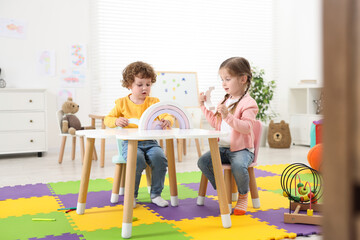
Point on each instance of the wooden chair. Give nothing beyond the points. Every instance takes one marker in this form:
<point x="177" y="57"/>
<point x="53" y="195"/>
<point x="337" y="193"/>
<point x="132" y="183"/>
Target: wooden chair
<point x="59" y="117"/>
<point x="231" y="188"/>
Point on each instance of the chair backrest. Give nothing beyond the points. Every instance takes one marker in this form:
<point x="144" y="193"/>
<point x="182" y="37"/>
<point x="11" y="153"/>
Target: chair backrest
<point x="257" y="134"/>
<point x="59" y="117"/>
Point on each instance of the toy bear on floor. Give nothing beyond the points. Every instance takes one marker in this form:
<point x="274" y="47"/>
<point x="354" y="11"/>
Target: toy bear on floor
<point x="70" y="122"/>
<point x="279" y="135"/>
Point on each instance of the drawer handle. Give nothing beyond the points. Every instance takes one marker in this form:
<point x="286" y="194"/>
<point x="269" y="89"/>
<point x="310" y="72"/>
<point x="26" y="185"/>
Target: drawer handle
<point x="31" y="140"/>
<point x="31" y="121"/>
<point x="30" y="101"/>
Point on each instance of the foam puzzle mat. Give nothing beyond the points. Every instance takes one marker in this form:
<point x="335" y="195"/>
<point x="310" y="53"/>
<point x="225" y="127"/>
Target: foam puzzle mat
<point x="20" y="204"/>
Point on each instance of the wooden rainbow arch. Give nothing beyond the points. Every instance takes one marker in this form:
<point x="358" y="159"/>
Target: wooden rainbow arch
<point x="151" y="113"/>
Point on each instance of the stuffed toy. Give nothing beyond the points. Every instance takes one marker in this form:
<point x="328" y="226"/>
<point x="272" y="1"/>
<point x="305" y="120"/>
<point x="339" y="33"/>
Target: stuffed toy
<point x="279" y="135"/>
<point x="70" y="122"/>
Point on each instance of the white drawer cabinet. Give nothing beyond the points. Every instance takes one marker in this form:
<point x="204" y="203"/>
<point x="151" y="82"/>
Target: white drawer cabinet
<point x="23" y="121"/>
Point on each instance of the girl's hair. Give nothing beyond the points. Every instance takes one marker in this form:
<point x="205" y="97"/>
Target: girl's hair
<point x="236" y="67"/>
<point x="137" y="69"/>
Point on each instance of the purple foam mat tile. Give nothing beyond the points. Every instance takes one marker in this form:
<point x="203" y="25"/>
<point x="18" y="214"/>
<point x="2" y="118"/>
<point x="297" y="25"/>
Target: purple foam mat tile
<point x="24" y="191"/>
<point x="195" y="186"/>
<point x="276" y="218"/>
<point x="187" y="209"/>
<point x="262" y="173"/>
<point x="93" y="199"/>
<point x="67" y="236"/>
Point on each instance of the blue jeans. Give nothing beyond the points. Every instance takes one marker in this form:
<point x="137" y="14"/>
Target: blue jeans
<point x="151" y="153"/>
<point x="239" y="160"/>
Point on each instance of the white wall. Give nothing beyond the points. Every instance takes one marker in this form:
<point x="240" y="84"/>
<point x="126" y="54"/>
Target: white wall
<point x="298" y="51"/>
<point x="51" y="25"/>
<point x="55" y="25"/>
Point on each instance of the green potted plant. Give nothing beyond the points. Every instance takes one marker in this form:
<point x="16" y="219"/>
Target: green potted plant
<point x="263" y="93"/>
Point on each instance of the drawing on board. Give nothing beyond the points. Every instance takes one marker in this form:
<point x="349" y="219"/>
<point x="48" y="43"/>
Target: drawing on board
<point x="180" y="87"/>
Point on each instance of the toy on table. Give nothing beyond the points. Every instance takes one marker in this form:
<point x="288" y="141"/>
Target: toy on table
<point x="302" y="195"/>
<point x="151" y="113"/>
<point x="70" y="122"/>
<point x="208" y="102"/>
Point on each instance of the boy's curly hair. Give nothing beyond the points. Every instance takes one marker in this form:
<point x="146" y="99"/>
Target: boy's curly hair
<point x="137" y="69"/>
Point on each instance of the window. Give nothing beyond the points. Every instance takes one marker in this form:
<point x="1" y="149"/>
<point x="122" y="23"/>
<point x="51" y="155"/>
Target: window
<point x="190" y="36"/>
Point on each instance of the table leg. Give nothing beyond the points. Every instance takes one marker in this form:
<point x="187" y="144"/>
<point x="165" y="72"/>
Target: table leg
<point x="85" y="176"/>
<point x="172" y="172"/>
<point x="129" y="189"/>
<point x="220" y="183"/>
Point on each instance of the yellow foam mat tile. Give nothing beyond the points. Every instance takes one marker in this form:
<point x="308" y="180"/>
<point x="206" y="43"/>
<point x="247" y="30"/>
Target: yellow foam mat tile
<point x="277" y="168"/>
<point x="268" y="200"/>
<point x="243" y="227"/>
<point x="24" y="206"/>
<point x="269" y="183"/>
<point x="109" y="217"/>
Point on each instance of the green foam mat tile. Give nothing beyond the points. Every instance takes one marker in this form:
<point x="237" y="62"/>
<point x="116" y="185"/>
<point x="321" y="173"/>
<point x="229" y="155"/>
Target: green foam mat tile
<point x="24" y="227"/>
<point x="95" y="185"/>
<point x="188" y="177"/>
<point x="156" y="231"/>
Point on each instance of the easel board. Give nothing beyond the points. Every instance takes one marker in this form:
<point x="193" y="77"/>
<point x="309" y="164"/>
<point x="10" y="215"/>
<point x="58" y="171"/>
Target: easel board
<point x="181" y="87"/>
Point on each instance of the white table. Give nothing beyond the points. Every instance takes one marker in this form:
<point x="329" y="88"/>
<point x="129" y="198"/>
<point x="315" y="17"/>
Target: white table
<point x="133" y="136"/>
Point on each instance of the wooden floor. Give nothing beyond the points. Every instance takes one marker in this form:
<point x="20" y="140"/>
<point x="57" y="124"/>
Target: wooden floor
<point x="20" y="169"/>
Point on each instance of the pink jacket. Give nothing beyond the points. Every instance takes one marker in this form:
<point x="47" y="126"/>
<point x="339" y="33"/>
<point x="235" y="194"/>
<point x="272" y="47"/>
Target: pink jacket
<point x="242" y="134"/>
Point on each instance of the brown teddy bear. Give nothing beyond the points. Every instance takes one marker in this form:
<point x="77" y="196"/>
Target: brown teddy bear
<point x="70" y="122"/>
<point x="279" y="135"/>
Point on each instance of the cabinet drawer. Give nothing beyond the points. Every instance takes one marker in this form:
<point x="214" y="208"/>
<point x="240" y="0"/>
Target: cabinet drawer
<point x="22" y="101"/>
<point x="17" y="121"/>
<point x="22" y="142"/>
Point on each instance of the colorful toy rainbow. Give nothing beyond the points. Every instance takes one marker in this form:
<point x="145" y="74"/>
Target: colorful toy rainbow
<point x="147" y="119"/>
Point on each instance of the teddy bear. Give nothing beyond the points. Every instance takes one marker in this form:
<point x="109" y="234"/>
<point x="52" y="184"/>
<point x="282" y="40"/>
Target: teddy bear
<point x="279" y="135"/>
<point x="70" y="122"/>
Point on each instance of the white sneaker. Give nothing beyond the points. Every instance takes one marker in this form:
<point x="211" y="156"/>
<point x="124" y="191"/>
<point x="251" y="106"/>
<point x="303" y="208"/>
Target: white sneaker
<point x="159" y="201"/>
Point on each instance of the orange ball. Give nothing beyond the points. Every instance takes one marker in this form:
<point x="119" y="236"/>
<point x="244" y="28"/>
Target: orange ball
<point x="315" y="156"/>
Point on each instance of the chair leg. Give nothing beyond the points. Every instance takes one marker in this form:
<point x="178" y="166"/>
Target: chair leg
<point x="95" y="154"/>
<point x="234" y="189"/>
<point x="202" y="190"/>
<point x="227" y="177"/>
<point x="82" y="149"/>
<point x="102" y="158"/>
<point x="122" y="180"/>
<point x="253" y="188"/>
<point x="116" y="184"/>
<point x="73" y="148"/>
<point x="148" y="177"/>
<point x="184" y="146"/>
<point x="179" y="149"/>
<point x="198" y="147"/>
<point x="161" y="143"/>
<point x="62" y="148"/>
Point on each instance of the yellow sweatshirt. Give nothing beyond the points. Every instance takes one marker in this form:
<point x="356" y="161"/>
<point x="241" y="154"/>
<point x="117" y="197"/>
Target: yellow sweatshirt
<point x="125" y="108"/>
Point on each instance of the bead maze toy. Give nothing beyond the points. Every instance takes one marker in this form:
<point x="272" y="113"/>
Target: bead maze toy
<point x="302" y="195"/>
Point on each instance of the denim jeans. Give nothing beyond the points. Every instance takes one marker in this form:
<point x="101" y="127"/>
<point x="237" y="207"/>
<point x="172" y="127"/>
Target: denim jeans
<point x="239" y="160"/>
<point x="151" y="153"/>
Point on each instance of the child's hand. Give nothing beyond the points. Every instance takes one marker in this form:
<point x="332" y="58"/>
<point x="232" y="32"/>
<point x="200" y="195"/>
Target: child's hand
<point x="223" y="110"/>
<point x="202" y="98"/>
<point x="122" y="122"/>
<point x="165" y="124"/>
